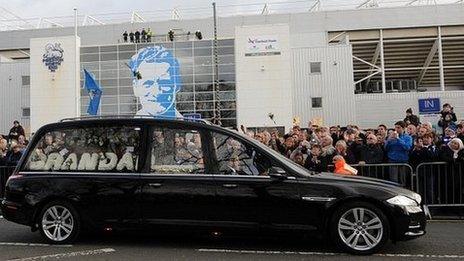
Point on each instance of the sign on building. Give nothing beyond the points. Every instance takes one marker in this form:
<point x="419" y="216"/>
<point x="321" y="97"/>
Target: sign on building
<point x="262" y="45"/>
<point x="429" y="105"/>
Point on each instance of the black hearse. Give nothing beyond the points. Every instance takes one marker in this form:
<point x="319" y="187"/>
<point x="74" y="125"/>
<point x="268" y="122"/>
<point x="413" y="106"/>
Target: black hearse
<point x="123" y="172"/>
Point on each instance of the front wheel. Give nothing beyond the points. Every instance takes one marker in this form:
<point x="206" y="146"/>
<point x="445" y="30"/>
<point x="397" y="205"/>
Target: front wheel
<point x="359" y="228"/>
<point x="59" y="222"/>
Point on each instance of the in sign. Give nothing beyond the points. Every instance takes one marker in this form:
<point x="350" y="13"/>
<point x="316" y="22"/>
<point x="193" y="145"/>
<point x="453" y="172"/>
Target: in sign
<point x="430" y="105"/>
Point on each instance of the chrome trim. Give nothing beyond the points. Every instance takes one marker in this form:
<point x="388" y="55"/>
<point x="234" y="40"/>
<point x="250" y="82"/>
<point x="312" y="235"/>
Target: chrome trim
<point x="318" y="199"/>
<point x="414" y="234"/>
<point x="414" y="227"/>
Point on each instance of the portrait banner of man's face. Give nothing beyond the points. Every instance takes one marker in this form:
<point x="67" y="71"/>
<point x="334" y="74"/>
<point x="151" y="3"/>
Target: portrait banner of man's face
<point x="156" y="81"/>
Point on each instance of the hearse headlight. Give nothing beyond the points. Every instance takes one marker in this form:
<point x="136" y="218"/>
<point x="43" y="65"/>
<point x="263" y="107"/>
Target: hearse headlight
<point x="402" y="201"/>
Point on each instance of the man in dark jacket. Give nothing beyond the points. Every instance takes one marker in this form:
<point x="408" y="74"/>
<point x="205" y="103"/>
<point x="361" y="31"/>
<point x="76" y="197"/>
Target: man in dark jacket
<point x="411" y="118"/>
<point x="14" y="155"/>
<point x="137" y="36"/>
<point x="418" y="154"/>
<point x="131" y="37"/>
<point x="371" y="153"/>
<point x="447" y="117"/>
<point x="16" y="131"/>
<point x="124" y="36"/>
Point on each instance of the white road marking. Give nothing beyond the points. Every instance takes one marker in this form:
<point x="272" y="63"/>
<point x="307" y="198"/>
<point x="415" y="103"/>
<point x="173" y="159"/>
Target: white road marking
<point x="271" y="252"/>
<point x="31" y="244"/>
<point x="67" y="255"/>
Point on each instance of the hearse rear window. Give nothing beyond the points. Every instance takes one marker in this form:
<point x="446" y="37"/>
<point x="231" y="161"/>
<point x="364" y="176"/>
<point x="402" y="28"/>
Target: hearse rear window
<point x="95" y="149"/>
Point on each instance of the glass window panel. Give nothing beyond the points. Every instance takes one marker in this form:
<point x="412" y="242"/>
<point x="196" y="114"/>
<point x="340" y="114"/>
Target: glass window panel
<point x="203" y="43"/>
<point x="227" y="68"/>
<point x="203" y="52"/>
<point x="125" y="82"/>
<point x="203" y="87"/>
<point x="109" y="65"/>
<point x="126" y="55"/>
<point x="182" y="52"/>
<point x="227" y="77"/>
<point x="126" y="90"/>
<point x="226" y="50"/>
<point x="109" y="83"/>
<point x="203" y="78"/>
<point x="223" y="86"/>
<point x="108" y="56"/>
<point x="228" y="105"/>
<point x="204" y="60"/>
<point x="110" y="91"/>
<point x="93" y="49"/>
<point x="184" y="96"/>
<point x="176" y="151"/>
<point x="77" y="149"/>
<point x="109" y="74"/>
<point x="185" y="45"/>
<point x="204" y="96"/>
<point x="186" y="70"/>
<point x="126" y="47"/>
<point x="127" y="99"/>
<point x="226" y="59"/>
<point x="203" y="69"/>
<point x="125" y="73"/>
<point x="187" y="79"/>
<point x="108" y="49"/>
<point x="202" y="106"/>
<point x="106" y="99"/>
<point x="109" y="109"/>
<point x="185" y="106"/>
<point x="226" y="42"/>
<point x="227" y="95"/>
<point x="89" y="58"/>
<point x="90" y="66"/>
<point x="186" y="88"/>
<point x="144" y="45"/>
<point x="128" y="108"/>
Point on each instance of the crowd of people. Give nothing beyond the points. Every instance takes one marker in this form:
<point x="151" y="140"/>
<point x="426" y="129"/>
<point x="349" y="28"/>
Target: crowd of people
<point x="139" y="36"/>
<point x="408" y="141"/>
<point x="12" y="145"/>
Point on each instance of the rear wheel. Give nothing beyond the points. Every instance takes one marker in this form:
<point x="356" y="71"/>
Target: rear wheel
<point x="359" y="228"/>
<point x="59" y="222"/>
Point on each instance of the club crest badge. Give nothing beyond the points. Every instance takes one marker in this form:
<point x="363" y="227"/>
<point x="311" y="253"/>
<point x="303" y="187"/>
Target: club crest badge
<point x="53" y="56"/>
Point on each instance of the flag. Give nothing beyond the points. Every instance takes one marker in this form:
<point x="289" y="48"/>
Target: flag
<point x="95" y="92"/>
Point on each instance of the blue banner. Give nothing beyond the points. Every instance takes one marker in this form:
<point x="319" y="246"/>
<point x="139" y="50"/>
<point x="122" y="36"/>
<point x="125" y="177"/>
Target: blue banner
<point x="95" y="92"/>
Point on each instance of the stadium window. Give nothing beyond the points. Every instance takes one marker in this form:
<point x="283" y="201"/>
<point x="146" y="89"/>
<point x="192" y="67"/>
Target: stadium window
<point x="26" y="112"/>
<point x="314" y="67"/>
<point x="316" y="102"/>
<point x="26" y="80"/>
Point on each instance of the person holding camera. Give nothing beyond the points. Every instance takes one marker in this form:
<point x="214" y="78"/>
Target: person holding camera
<point x="448" y="117"/>
<point x="397" y="148"/>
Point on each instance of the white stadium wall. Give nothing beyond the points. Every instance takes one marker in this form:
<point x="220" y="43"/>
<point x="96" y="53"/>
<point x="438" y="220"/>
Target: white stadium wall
<point x="54" y="95"/>
<point x="263" y="81"/>
<point x="14" y="95"/>
<point x="373" y="109"/>
<point x="334" y="84"/>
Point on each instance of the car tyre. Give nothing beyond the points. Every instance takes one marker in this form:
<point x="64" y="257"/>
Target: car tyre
<point x="59" y="223"/>
<point x="359" y="228"/>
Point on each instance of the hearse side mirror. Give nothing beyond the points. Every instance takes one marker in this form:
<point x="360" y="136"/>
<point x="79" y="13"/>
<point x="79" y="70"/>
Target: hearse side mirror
<point x="277" y="173"/>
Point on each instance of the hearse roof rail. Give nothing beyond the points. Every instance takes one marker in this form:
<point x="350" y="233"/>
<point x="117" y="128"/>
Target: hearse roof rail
<point x="132" y="116"/>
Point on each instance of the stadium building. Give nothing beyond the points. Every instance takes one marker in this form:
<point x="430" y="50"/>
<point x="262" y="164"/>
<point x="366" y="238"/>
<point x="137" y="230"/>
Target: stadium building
<point x="361" y="66"/>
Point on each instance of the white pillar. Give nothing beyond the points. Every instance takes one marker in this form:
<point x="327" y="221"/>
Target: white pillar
<point x="440" y="61"/>
<point x="382" y="63"/>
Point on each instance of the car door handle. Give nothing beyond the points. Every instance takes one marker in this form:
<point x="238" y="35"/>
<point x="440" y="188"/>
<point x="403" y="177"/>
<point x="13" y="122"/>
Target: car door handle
<point x="230" y="185"/>
<point x="155" y="185"/>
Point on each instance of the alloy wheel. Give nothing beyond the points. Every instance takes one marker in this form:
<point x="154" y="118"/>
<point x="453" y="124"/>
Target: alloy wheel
<point x="360" y="229"/>
<point x="57" y="223"/>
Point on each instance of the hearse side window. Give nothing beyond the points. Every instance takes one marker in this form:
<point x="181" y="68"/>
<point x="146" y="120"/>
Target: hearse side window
<point x="176" y="151"/>
<point x="237" y="158"/>
<point x="94" y="149"/>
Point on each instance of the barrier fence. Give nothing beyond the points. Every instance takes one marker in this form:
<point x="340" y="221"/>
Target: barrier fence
<point x="5" y="173"/>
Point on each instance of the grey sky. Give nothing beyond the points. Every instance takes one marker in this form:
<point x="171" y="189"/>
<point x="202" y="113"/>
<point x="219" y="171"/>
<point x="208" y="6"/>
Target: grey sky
<point x="49" y="8"/>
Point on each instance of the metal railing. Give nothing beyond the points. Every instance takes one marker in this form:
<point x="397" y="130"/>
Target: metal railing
<point x="441" y="183"/>
<point x="400" y="173"/>
<point x="5" y="173"/>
